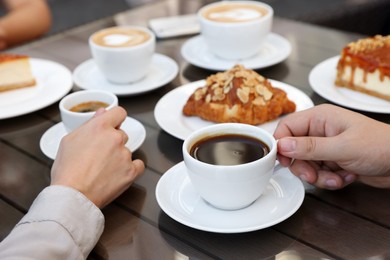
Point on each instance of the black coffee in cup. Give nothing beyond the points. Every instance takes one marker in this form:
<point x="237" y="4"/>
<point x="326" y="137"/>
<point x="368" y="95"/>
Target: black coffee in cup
<point x="229" y="149"/>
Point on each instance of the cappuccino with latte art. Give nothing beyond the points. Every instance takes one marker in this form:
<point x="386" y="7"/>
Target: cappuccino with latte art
<point x="234" y="13"/>
<point x="235" y="30"/>
<point x="120" y="37"/>
<point x="123" y="54"/>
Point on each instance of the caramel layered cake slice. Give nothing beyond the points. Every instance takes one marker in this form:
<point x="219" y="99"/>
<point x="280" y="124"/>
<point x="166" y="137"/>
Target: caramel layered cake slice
<point x="15" y="72"/>
<point x="364" y="66"/>
<point x="238" y="95"/>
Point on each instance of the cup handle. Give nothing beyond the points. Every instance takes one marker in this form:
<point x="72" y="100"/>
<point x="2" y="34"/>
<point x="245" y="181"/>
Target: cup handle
<point x="278" y="166"/>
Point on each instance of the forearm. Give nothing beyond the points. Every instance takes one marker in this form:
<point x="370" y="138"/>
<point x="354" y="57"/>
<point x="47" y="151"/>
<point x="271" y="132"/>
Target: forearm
<point x="25" y="21"/>
<point x="63" y="220"/>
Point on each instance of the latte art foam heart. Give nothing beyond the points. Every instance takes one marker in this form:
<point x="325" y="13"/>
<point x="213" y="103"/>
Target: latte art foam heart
<point x="117" y="37"/>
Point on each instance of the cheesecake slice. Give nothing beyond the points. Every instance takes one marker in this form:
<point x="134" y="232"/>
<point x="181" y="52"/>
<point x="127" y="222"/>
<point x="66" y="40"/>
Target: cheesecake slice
<point x="15" y="72"/>
<point x="364" y="66"/>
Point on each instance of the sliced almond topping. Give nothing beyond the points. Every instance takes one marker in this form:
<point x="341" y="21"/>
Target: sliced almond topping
<point x="208" y="98"/>
<point x="218" y="91"/>
<point x="267" y="94"/>
<point x="241" y="74"/>
<point x="242" y="95"/>
<point x="219" y="97"/>
<point x="260" y="78"/>
<point x="260" y="89"/>
<point x="246" y="89"/>
<point x="250" y="82"/>
<point x="227" y="88"/>
<point x="258" y="101"/>
<point x="214" y="86"/>
<point x="198" y="94"/>
<point x="228" y="80"/>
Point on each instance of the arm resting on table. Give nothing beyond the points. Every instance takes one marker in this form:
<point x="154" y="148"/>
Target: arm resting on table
<point x="61" y="224"/>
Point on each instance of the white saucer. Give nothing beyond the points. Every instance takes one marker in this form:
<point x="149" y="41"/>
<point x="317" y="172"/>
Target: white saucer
<point x="50" y="140"/>
<point x="163" y="70"/>
<point x="275" y="49"/>
<point x="322" y="78"/>
<point x="169" y="116"/>
<point x="179" y="200"/>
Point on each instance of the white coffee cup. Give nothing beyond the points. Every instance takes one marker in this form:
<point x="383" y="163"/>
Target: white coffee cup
<point x="235" y="30"/>
<point x="73" y="119"/>
<point x="229" y="187"/>
<point x="123" y="54"/>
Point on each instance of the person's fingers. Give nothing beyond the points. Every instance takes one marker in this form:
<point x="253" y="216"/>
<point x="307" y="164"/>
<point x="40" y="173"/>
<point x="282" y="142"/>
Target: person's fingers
<point x="348" y="177"/>
<point x="139" y="166"/>
<point x="304" y="170"/>
<point x="309" y="123"/>
<point x="298" y="123"/>
<point x="135" y="170"/>
<point x="334" y="180"/>
<point x="283" y="160"/>
<point x="329" y="180"/>
<point x="113" y="117"/>
<point x="125" y="137"/>
<point x="310" y="148"/>
<point x="99" y="112"/>
<point x="320" y="175"/>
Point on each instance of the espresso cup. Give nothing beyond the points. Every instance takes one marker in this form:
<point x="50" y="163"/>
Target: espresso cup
<point x="230" y="164"/>
<point x="78" y="107"/>
<point x="123" y="54"/>
<point x="235" y="30"/>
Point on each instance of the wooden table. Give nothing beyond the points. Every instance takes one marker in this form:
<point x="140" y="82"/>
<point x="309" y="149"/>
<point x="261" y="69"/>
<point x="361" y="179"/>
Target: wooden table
<point x="352" y="223"/>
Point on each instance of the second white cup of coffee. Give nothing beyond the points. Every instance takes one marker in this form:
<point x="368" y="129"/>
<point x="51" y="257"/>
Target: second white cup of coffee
<point x="123" y="54"/>
<point x="230" y="164"/>
<point x="78" y="107"/>
<point x="235" y="30"/>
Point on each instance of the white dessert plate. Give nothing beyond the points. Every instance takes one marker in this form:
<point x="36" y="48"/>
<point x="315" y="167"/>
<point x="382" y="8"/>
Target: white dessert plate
<point x="275" y="49"/>
<point x="54" y="81"/>
<point x="50" y="140"/>
<point x="162" y="71"/>
<point x="321" y="79"/>
<point x="179" y="200"/>
<point x="168" y="110"/>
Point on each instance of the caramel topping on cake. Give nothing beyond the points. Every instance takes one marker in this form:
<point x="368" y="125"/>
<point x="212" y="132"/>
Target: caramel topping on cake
<point x="373" y="50"/>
